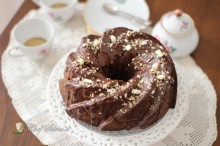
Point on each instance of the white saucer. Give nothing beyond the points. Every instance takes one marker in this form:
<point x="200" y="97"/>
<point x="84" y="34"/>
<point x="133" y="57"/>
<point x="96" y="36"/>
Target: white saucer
<point x="98" y="21"/>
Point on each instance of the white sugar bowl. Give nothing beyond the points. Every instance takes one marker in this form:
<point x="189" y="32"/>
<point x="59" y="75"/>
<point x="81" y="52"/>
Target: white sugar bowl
<point x="176" y="31"/>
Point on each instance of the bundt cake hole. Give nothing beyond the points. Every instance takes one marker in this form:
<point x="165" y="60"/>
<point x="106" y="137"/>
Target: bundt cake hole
<point x="124" y="74"/>
<point x="122" y="70"/>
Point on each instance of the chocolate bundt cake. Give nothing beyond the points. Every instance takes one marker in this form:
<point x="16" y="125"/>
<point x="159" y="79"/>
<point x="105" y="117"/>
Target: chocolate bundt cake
<point x="122" y="80"/>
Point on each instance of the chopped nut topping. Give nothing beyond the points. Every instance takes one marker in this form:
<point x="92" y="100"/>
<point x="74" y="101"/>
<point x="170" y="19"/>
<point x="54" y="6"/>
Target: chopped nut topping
<point x="130" y="105"/>
<point x="164" y="53"/>
<point x="159" y="53"/>
<point x="125" y="104"/>
<point x="111" y="91"/>
<point x="74" y="63"/>
<point x="152" y="107"/>
<point x="154" y="66"/>
<point x="161" y="77"/>
<point x="117" y="85"/>
<point x="128" y="47"/>
<point x="96" y="43"/>
<point x="88" y="81"/>
<point x="129" y="33"/>
<point x="149" y="87"/>
<point x="160" y="46"/>
<point x="169" y="77"/>
<point x="87" y="40"/>
<point x="153" y="91"/>
<point x="158" y="72"/>
<point x="144" y="42"/>
<point x="132" y="98"/>
<point x="105" y="86"/>
<point x="101" y="94"/>
<point x="135" y="91"/>
<point x="141" y="81"/>
<point x="80" y="61"/>
<point x="113" y="38"/>
<point x="140" y="85"/>
<point x="92" y="95"/>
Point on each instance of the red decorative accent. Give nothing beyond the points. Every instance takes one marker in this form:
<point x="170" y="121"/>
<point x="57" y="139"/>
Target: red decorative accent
<point x="166" y="46"/>
<point x="157" y="37"/>
<point x="42" y="52"/>
<point x="51" y="14"/>
<point x="165" y="43"/>
<point x="185" y="25"/>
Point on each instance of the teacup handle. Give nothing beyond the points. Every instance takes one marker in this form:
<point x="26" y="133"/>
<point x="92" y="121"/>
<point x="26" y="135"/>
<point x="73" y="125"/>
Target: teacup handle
<point x="37" y="2"/>
<point x="13" y="54"/>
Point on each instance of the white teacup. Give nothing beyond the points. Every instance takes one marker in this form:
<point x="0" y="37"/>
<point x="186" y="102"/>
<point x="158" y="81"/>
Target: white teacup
<point x="60" y="11"/>
<point x="33" y="38"/>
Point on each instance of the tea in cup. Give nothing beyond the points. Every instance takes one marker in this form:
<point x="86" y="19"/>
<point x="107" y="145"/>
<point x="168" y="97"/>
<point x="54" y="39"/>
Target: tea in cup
<point x="33" y="38"/>
<point x="35" y="41"/>
<point x="60" y="11"/>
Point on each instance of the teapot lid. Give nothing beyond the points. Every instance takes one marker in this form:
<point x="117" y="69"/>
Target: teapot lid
<point x="177" y="23"/>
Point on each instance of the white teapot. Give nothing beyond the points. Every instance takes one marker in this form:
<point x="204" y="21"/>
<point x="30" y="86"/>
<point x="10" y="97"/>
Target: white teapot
<point x="176" y="31"/>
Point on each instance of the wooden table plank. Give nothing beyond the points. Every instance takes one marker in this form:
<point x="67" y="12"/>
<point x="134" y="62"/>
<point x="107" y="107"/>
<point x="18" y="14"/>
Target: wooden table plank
<point x="8" y="116"/>
<point x="206" y="15"/>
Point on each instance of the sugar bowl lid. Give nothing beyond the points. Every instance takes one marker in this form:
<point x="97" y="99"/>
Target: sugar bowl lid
<point x="177" y="23"/>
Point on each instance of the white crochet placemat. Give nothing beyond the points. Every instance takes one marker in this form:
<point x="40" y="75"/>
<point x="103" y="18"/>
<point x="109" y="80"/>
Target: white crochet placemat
<point x="26" y="82"/>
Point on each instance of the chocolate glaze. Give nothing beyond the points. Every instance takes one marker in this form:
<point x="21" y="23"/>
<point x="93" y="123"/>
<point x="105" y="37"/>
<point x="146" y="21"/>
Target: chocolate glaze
<point x="122" y="80"/>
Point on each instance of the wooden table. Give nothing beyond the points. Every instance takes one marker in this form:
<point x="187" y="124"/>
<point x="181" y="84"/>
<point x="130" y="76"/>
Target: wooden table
<point x="206" y="14"/>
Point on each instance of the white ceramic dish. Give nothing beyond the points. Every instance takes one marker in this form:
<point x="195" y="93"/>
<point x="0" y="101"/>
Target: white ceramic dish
<point x="97" y="20"/>
<point x="177" y="32"/>
<point x="92" y="134"/>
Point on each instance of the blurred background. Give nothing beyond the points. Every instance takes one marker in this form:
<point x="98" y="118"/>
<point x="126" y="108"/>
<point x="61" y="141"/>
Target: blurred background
<point x="7" y="10"/>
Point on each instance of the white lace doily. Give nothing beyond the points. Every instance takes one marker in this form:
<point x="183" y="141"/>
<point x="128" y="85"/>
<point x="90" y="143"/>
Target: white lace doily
<point x="26" y="82"/>
<point x="124" y="137"/>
